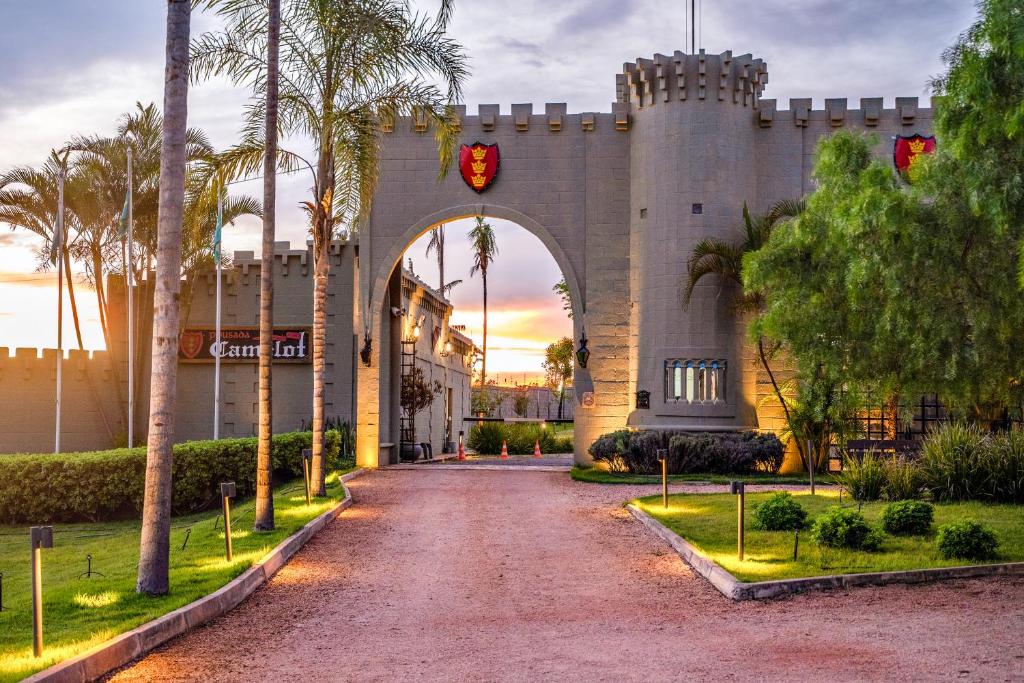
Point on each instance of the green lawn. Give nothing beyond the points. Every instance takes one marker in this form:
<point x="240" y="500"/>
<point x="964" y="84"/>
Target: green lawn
<point x="594" y="475"/>
<point x="708" y="521"/>
<point x="81" y="612"/>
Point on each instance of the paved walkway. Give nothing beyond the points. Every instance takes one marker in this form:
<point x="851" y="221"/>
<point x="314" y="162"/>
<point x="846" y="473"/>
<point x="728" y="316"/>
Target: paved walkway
<point x="455" y="575"/>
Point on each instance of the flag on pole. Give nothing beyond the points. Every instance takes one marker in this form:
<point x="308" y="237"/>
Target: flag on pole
<point x="125" y="212"/>
<point x="217" y="230"/>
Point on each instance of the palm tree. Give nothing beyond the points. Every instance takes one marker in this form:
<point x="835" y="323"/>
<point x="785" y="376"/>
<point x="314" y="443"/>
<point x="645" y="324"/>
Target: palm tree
<point x="344" y="66"/>
<point x="264" y="520"/>
<point x="436" y="244"/>
<point x="154" y="546"/>
<point x="485" y="248"/>
<point x="712" y="256"/>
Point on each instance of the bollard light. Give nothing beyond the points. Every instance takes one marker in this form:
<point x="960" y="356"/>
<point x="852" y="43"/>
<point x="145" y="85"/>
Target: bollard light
<point x="737" y="488"/>
<point x="1" y="591"/>
<point x="40" y="537"/>
<point x="307" y="457"/>
<point x="227" y="492"/>
<point x="663" y="457"/>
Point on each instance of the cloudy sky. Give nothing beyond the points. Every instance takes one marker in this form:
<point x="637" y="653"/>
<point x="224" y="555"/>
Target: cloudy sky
<point x="73" y="66"/>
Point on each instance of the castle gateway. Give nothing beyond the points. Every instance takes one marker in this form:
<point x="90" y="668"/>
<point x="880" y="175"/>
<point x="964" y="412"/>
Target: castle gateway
<point x="620" y="199"/>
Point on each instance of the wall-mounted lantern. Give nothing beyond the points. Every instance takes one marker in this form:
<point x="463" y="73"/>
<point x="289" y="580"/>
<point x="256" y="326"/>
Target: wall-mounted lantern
<point x="446" y="350"/>
<point x="583" y="353"/>
<point x="365" y="352"/>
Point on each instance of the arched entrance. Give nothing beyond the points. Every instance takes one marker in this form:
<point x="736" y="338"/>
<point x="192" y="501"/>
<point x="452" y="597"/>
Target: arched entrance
<point x="564" y="179"/>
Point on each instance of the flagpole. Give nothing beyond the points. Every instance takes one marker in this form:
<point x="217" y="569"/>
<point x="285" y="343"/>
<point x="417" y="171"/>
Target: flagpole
<point x="216" y="335"/>
<point x="59" y="237"/>
<point x="130" y="282"/>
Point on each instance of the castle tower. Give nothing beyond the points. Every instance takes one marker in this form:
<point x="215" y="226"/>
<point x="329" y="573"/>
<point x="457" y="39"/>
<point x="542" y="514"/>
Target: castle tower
<point x="691" y="166"/>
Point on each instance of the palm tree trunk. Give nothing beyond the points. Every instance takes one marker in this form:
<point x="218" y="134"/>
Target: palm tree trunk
<point x="154" y="547"/>
<point x="320" y="273"/>
<point x="483" y="366"/>
<point x="782" y="401"/>
<point x="440" y="258"/>
<point x="101" y="304"/>
<point x="264" y="485"/>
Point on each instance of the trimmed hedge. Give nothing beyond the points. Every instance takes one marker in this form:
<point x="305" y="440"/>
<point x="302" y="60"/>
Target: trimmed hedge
<point x="967" y="540"/>
<point x="781" y="512"/>
<point x="908" y="517"/>
<point x="520" y="437"/>
<point x="843" y="528"/>
<point x="108" y="485"/>
<point x="689" y="452"/>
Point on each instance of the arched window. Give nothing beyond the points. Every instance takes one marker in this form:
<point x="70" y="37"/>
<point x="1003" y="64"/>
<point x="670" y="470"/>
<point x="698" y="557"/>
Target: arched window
<point x="677" y="380"/>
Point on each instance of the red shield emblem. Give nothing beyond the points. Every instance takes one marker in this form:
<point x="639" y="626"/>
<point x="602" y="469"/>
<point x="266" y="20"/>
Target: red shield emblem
<point x="478" y="164"/>
<point x="909" y="148"/>
<point x="191" y="343"/>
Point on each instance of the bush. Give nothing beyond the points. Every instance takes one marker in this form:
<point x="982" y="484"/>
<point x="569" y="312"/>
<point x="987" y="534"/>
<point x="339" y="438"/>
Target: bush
<point x="108" y="485"/>
<point x="967" y="540"/>
<point x="953" y="463"/>
<point x="486" y="438"/>
<point x="1005" y="465"/>
<point x="908" y="517"/>
<point x="863" y="478"/>
<point x="608" y="449"/>
<point x="689" y="452"/>
<point x="780" y="512"/>
<point x="903" y="480"/>
<point x="843" y="528"/>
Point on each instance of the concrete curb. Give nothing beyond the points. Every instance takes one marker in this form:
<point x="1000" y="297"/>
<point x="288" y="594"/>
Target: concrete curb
<point x="734" y="589"/>
<point x="129" y="646"/>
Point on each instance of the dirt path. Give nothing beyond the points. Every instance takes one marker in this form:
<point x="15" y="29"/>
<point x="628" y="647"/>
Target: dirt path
<point x="526" y="576"/>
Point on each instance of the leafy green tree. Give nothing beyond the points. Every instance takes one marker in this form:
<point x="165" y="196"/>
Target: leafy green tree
<point x="558" y="365"/>
<point x="890" y="290"/>
<point x="485" y="248"/>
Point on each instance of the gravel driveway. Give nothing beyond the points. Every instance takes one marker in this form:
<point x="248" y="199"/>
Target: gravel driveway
<point x="462" y="575"/>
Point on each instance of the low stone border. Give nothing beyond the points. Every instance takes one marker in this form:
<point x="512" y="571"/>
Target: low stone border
<point x="735" y="589"/>
<point x="129" y="646"/>
<point x="512" y="467"/>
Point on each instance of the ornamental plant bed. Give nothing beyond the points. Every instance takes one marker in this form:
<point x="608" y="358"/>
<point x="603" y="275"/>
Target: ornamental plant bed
<point x="708" y="522"/>
<point x="80" y="612"/>
<point x="595" y="475"/>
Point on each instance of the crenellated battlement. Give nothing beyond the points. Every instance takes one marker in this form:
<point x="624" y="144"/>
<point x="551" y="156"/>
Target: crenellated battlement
<point x="284" y="254"/>
<point x="702" y="76"/>
<point x="872" y="113"/>
<point x="26" y="363"/>
<point x="520" y="118"/>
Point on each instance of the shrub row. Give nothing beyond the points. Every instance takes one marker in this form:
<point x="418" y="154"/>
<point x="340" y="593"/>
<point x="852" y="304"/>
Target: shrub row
<point x="839" y="527"/>
<point x="108" y="485"/>
<point x="520" y="437"/>
<point x="957" y="462"/>
<point x="689" y="452"/>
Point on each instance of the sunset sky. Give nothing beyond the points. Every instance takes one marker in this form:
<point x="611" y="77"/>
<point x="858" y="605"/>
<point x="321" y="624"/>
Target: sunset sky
<point x="74" y="71"/>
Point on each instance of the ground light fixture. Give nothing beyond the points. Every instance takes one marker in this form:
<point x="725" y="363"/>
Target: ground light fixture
<point x="663" y="457"/>
<point x="737" y="489"/>
<point x="583" y="353"/>
<point x="40" y="537"/>
<point x="228" y="490"/>
<point x="307" y="457"/>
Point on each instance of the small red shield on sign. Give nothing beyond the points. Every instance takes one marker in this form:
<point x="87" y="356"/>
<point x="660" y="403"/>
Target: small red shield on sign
<point x="909" y="148"/>
<point x="478" y="164"/>
<point x="191" y="343"/>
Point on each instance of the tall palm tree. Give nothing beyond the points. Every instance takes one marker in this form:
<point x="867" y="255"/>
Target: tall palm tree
<point x="264" y="520"/>
<point x="344" y="66"/>
<point x="485" y="248"/>
<point x="154" y="546"/>
<point x="712" y="256"/>
<point x="436" y="244"/>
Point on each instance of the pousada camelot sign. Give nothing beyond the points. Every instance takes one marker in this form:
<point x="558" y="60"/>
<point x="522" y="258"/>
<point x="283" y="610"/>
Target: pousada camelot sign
<point x="242" y="345"/>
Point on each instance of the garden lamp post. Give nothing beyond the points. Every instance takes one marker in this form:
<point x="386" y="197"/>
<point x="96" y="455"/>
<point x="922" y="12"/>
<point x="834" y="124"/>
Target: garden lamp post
<point x="737" y="488"/>
<point x="307" y="456"/>
<point x="228" y="490"/>
<point x="40" y="537"/>
<point x="663" y="457"/>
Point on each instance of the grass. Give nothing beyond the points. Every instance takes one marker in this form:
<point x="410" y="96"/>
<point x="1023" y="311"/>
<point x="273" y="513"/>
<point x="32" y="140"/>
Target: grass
<point x="594" y="475"/>
<point x="80" y="612"/>
<point x="708" y="521"/>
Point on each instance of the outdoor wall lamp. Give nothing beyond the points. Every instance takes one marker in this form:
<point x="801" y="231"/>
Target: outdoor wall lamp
<point x="364" y="353"/>
<point x="416" y="331"/>
<point x="583" y="353"/>
<point x="446" y="350"/>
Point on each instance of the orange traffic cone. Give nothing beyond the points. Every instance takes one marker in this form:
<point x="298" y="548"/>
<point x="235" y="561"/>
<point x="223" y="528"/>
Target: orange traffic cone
<point x="536" y="449"/>
<point x="504" y="450"/>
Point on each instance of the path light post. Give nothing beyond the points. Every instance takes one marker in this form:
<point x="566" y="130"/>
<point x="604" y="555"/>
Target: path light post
<point x="812" y="463"/>
<point x="663" y="457"/>
<point x="307" y="456"/>
<point x="40" y="537"/>
<point x="227" y="492"/>
<point x="738" y="490"/>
